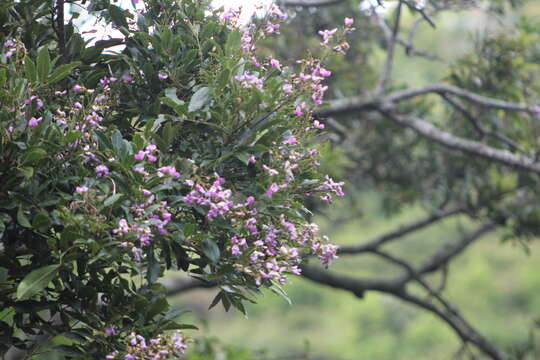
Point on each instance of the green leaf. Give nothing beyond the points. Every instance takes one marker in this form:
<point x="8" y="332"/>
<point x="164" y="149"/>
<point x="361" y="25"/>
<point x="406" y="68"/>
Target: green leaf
<point x="61" y="72"/>
<point x="210" y="250"/>
<point x="41" y="221"/>
<point x="27" y="171"/>
<point x="159" y="306"/>
<point x="22" y="219"/>
<point x="233" y="43"/>
<point x="33" y="155"/>
<point x="30" y="69"/>
<point x="171" y="94"/>
<point x="43" y="64"/>
<point x="118" y="16"/>
<point x="71" y="136"/>
<point x="36" y="281"/>
<point x="199" y="99"/>
<point x="223" y="78"/>
<point x="112" y="199"/>
<point x="189" y="229"/>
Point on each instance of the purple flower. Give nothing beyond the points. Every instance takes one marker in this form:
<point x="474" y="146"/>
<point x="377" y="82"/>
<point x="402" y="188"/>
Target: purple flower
<point x="102" y="170"/>
<point x="81" y="189"/>
<point x="162" y="76"/>
<point x="33" y="122"/>
<point x="275" y="63"/>
<point x="349" y="21"/>
<point x="140" y="155"/>
<point x="290" y="141"/>
<point x="168" y="170"/>
<point x="327" y="35"/>
<point x="298" y="111"/>
<point x="318" y="125"/>
<point x="77" y="88"/>
<point x="127" y="79"/>
<point x="272" y="189"/>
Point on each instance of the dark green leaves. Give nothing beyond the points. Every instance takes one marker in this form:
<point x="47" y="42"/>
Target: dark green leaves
<point x="43" y="64"/>
<point x="210" y="250"/>
<point x="200" y="98"/>
<point x="36" y="281"/>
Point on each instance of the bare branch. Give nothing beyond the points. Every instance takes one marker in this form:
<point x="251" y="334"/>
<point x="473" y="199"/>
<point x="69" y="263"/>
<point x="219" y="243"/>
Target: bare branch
<point x="466" y="331"/>
<point x="181" y="284"/>
<point x="449" y="251"/>
<point x="400" y="232"/>
<point x="361" y="103"/>
<point x="467" y="95"/>
<point x="453" y="142"/>
<point x="354" y="285"/>
<point x="479" y="128"/>
<point x="387" y="70"/>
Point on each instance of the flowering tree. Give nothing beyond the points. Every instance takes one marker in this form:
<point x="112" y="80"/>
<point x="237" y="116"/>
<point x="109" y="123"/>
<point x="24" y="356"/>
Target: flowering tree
<point x="186" y="149"/>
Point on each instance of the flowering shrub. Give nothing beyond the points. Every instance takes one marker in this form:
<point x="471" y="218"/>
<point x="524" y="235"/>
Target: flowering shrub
<point x="188" y="150"/>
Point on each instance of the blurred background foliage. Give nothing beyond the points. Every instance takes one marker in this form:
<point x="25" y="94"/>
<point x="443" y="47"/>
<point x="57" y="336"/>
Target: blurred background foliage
<point x="491" y="49"/>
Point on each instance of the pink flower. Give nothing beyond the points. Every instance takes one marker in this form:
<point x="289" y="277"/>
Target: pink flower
<point x="290" y="141"/>
<point x="327" y="35"/>
<point x="287" y="88"/>
<point x="318" y="125"/>
<point x="250" y="200"/>
<point x="81" y="189"/>
<point x="272" y="189"/>
<point x="251" y="160"/>
<point x="275" y="63"/>
<point x="77" y="88"/>
<point x="324" y="72"/>
<point x="102" y="170"/>
<point x="349" y="21"/>
<point x="162" y="76"/>
<point x="33" y="122"/>
<point x="299" y="108"/>
<point x="140" y="155"/>
<point x="168" y="170"/>
<point x="127" y="79"/>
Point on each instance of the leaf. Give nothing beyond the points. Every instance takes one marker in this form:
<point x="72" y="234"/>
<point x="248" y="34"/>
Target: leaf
<point x="170" y="93"/>
<point x="112" y="199"/>
<point x="159" y="306"/>
<point x="233" y="43"/>
<point x="117" y="15"/>
<point x="43" y="64"/>
<point x="30" y="69"/>
<point x="22" y="219"/>
<point x="211" y="250"/>
<point x="223" y="78"/>
<point x="62" y="71"/>
<point x="36" y="281"/>
<point x="27" y="171"/>
<point x="41" y="221"/>
<point x="33" y="155"/>
<point x="199" y="99"/>
<point x="189" y="229"/>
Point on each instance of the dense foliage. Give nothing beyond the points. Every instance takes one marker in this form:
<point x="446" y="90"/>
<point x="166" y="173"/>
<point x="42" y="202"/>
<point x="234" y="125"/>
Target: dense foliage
<point x="184" y="150"/>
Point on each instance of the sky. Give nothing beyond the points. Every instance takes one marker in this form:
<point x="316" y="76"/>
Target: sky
<point x="95" y="31"/>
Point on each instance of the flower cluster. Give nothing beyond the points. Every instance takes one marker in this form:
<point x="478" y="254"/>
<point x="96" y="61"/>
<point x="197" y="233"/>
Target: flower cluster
<point x="159" y="348"/>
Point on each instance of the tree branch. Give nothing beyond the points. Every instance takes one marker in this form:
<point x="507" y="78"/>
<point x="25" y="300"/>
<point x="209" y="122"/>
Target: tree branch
<point x="387" y="69"/>
<point x="400" y="232"/>
<point x="449" y="251"/>
<point x="453" y="142"/>
<point x="178" y="285"/>
<point x="361" y="103"/>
